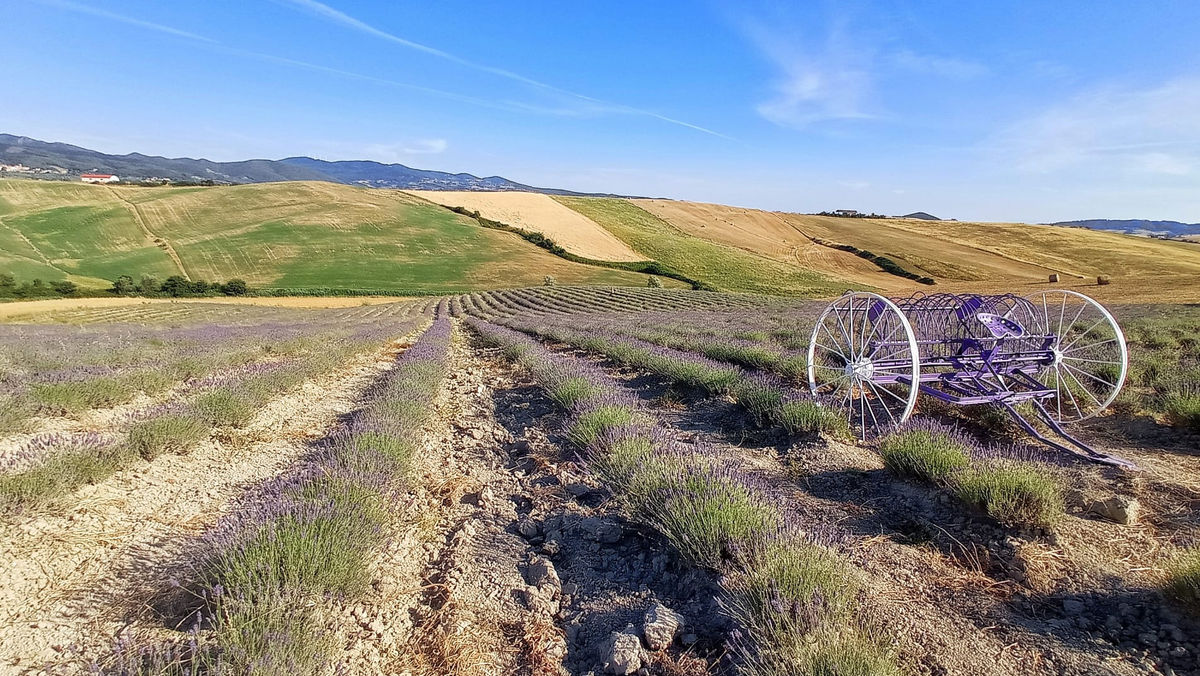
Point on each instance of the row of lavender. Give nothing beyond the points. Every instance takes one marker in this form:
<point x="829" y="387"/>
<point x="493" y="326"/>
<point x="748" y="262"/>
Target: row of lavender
<point x="770" y="336"/>
<point x="767" y="398"/>
<point x="573" y="300"/>
<point x="262" y="573"/>
<point x="48" y="467"/>
<point x="1012" y="483"/>
<point x="53" y="370"/>
<point x="793" y="595"/>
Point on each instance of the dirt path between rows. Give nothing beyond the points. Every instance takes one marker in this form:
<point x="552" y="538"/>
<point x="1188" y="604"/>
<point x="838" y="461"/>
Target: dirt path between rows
<point x="506" y="558"/>
<point x="72" y="581"/>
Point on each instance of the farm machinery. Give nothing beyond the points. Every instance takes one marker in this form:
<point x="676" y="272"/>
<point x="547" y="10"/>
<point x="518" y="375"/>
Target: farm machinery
<point x="1057" y="356"/>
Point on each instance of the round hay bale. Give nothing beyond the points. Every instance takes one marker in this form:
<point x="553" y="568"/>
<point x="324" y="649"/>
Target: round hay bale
<point x="1103" y="280"/>
<point x="1054" y="278"/>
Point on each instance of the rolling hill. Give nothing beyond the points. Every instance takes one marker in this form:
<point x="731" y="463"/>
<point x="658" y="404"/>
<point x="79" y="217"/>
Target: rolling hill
<point x="959" y="255"/>
<point x="1137" y="226"/>
<point x="288" y="235"/>
<point x="310" y="234"/>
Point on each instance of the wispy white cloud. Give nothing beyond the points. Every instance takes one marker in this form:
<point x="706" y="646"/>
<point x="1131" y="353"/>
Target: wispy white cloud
<point x="842" y="66"/>
<point x="572" y="103"/>
<point x="427" y="146"/>
<point x="1117" y="130"/>
<point x="96" y="11"/>
<point x="396" y="152"/>
<point x="826" y="81"/>
<point x="941" y="66"/>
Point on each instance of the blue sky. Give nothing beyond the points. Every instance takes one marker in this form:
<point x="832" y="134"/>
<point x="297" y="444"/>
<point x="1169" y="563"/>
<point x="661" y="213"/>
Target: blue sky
<point x="994" y="110"/>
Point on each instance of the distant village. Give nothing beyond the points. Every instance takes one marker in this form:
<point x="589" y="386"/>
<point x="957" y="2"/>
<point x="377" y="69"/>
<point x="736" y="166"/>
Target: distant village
<point x="22" y="169"/>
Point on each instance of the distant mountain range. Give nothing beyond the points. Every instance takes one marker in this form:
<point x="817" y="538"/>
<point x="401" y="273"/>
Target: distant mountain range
<point x="62" y="159"/>
<point x="1166" y="229"/>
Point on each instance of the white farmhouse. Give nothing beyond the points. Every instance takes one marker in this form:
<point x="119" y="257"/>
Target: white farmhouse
<point x="99" y="178"/>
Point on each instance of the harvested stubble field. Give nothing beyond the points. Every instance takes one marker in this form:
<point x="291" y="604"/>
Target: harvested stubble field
<point x="566" y="480"/>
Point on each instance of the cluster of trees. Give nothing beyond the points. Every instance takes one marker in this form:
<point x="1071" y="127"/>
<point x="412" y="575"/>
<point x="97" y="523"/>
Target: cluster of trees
<point x="886" y="264"/>
<point x="176" y="286"/>
<point x="849" y="215"/>
<point x="9" y="288"/>
<point x="149" y="285"/>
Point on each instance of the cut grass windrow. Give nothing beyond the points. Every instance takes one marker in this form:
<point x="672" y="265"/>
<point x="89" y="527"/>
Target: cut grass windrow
<point x="171" y="428"/>
<point x="306" y="536"/>
<point x="796" y="598"/>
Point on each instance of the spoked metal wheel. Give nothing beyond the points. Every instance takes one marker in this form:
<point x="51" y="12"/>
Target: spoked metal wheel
<point x="1090" y="358"/>
<point x="863" y="359"/>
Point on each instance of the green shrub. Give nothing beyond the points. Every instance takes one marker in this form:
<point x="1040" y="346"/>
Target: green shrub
<point x="794" y="368"/>
<point x="708" y="513"/>
<point x="14" y="414"/>
<point x="1183" y="578"/>
<point x="82" y="395"/>
<point x="224" y="408"/>
<point x="759" y="398"/>
<point x="60" y="475"/>
<point x="634" y="471"/>
<point x="923" y="454"/>
<point x="170" y="433"/>
<point x="791" y="588"/>
<point x="1182" y="409"/>
<point x="572" y="391"/>
<point x="705" y="376"/>
<point x="807" y="416"/>
<point x="1012" y="493"/>
<point x="589" y="425"/>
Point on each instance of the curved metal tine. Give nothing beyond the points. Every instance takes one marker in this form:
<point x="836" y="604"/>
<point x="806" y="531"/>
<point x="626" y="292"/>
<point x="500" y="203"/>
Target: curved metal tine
<point x="850" y="334"/>
<point x="862" y="331"/>
<point x="879" y="321"/>
<point x="1045" y="314"/>
<point x="888" y="339"/>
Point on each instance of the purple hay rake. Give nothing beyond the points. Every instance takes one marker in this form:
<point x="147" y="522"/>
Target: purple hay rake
<point x="1059" y="355"/>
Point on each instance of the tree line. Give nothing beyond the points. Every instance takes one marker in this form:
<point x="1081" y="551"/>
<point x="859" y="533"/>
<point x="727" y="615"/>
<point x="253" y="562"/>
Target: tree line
<point x="150" y="286"/>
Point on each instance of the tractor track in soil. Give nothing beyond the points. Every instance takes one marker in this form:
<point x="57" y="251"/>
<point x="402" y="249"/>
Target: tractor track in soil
<point x="73" y="580"/>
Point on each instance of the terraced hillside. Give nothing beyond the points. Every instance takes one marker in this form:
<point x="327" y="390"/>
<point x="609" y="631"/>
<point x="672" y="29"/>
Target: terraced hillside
<point x="291" y="235"/>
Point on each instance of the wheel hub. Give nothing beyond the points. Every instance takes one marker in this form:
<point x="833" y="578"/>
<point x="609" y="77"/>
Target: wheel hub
<point x="860" y="369"/>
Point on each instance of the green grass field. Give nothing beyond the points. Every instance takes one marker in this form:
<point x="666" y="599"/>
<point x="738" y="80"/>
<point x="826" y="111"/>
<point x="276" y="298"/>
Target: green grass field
<point x="289" y="235"/>
<point x="721" y="266"/>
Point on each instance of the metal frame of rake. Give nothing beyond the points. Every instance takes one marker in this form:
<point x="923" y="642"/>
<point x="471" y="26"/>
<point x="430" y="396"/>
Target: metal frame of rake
<point x="1057" y="356"/>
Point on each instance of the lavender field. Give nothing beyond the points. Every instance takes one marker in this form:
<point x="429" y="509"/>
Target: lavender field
<point x="568" y="480"/>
